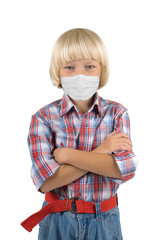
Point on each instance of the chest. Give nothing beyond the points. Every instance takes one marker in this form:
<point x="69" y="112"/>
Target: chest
<point x="84" y="132"/>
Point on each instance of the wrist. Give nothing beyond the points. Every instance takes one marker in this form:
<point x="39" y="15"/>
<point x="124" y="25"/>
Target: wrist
<point x="100" y="149"/>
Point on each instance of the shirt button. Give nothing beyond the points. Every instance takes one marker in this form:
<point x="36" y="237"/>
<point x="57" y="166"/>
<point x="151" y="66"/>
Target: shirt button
<point x="84" y="124"/>
<point x="61" y="144"/>
<point x="81" y="147"/>
<point x="78" y="194"/>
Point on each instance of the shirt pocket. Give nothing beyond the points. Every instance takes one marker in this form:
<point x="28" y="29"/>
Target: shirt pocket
<point x="63" y="139"/>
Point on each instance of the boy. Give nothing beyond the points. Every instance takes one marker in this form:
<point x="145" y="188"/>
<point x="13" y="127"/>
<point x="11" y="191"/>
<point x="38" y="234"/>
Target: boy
<point x="80" y="146"/>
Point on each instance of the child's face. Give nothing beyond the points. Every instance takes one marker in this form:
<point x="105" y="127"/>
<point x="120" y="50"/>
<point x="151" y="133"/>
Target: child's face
<point x="87" y="67"/>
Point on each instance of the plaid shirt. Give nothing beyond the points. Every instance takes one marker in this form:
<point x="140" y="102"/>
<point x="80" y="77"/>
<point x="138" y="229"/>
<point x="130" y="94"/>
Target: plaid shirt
<point x="60" y="124"/>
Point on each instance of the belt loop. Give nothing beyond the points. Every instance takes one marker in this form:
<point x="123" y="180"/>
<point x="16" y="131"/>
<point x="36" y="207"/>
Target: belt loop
<point x="98" y="211"/>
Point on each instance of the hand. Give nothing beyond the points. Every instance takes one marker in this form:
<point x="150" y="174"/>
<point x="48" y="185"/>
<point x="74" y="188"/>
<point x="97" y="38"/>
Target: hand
<point x="61" y="154"/>
<point x="117" y="142"/>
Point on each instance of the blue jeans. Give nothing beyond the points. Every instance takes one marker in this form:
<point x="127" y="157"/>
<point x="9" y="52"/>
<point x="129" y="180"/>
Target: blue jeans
<point x="81" y="226"/>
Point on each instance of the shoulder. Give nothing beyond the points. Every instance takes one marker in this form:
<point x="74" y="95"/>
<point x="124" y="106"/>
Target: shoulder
<point x="114" y="107"/>
<point x="117" y="107"/>
<point x="49" y="111"/>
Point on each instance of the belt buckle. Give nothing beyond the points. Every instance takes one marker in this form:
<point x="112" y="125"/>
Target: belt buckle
<point x="71" y="210"/>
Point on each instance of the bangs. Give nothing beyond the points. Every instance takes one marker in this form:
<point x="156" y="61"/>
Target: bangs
<point x="77" y="46"/>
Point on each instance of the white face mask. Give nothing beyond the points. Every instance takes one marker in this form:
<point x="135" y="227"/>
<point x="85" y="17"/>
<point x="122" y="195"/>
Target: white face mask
<point x="80" y="87"/>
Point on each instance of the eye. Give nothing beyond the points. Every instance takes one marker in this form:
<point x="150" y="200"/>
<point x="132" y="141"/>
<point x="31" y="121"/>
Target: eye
<point x="90" y="67"/>
<point x="69" y="68"/>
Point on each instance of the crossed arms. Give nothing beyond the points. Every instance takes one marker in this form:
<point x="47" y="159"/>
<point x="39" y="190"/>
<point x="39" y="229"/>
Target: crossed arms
<point x="76" y="163"/>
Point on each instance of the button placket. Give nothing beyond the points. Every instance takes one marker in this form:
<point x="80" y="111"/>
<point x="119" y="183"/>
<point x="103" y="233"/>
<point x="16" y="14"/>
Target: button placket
<point x="82" y="133"/>
<point x="69" y="132"/>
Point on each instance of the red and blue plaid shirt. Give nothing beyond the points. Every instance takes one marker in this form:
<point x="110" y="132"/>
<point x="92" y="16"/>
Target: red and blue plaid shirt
<point x="60" y="124"/>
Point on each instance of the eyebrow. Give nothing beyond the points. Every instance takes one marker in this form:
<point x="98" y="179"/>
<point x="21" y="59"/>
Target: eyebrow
<point x="90" y="61"/>
<point x="86" y="62"/>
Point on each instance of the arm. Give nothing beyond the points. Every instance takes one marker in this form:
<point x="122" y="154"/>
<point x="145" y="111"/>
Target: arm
<point x="126" y="160"/>
<point x="105" y="165"/>
<point x="68" y="173"/>
<point x="41" y="146"/>
<point x="63" y="176"/>
<point x="99" y="163"/>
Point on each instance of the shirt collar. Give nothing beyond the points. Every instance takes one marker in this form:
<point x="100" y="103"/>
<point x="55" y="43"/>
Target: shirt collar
<point x="67" y="105"/>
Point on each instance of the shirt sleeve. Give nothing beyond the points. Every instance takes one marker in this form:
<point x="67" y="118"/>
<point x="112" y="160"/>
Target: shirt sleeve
<point x="126" y="160"/>
<point x="41" y="147"/>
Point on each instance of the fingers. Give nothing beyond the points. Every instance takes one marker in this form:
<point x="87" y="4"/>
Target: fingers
<point x="124" y="135"/>
<point x="124" y="144"/>
<point x="126" y="147"/>
<point x="127" y="141"/>
<point x="117" y="142"/>
<point x="121" y="141"/>
<point x="112" y="133"/>
<point x="119" y="134"/>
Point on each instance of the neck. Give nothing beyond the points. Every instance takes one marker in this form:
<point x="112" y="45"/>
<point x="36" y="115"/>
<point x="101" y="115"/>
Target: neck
<point x="84" y="106"/>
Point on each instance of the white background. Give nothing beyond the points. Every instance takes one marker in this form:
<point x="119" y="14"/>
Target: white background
<point x="28" y="31"/>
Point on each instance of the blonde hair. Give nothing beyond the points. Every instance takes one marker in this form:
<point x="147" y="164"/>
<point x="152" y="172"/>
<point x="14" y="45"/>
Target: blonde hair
<point x="78" y="44"/>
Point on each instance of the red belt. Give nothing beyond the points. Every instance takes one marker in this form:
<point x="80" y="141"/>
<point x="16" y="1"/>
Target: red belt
<point x="56" y="205"/>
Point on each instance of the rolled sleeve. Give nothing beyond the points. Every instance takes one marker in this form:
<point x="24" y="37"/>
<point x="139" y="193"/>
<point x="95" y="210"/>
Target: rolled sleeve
<point x="41" y="147"/>
<point x="126" y="160"/>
